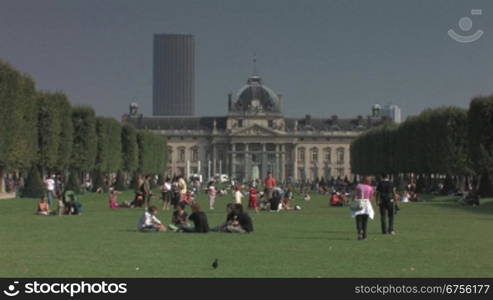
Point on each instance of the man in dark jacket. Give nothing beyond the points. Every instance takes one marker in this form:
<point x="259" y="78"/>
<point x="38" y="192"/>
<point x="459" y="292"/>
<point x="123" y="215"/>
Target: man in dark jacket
<point x="386" y="203"/>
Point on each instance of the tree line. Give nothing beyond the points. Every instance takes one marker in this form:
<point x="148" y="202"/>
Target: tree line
<point x="41" y="133"/>
<point x="447" y="142"/>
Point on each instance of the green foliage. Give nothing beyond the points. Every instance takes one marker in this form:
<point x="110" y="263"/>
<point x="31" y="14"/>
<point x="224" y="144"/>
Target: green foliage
<point x="73" y="183"/>
<point x="435" y="142"/>
<point x="34" y="187"/>
<point x="49" y="131"/>
<point x="84" y="149"/>
<point x="42" y="129"/>
<point x="160" y="180"/>
<point x="480" y="120"/>
<point x="66" y="133"/>
<point x="130" y="148"/>
<point x="485" y="186"/>
<point x="120" y="184"/>
<point x="134" y="182"/>
<point x="109" y="146"/>
<point x="98" y="181"/>
<point x="18" y="135"/>
<point x="152" y="153"/>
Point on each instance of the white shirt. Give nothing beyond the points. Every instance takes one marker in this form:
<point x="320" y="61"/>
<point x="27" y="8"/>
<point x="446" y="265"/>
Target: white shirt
<point x="50" y="184"/>
<point x="238" y="197"/>
<point x="147" y="220"/>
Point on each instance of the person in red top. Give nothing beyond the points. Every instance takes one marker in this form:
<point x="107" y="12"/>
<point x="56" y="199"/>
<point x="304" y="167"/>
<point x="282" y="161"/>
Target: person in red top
<point x="335" y="199"/>
<point x="252" y="199"/>
<point x="269" y="184"/>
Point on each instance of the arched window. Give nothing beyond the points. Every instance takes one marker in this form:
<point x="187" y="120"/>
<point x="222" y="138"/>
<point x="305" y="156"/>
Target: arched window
<point x="328" y="155"/>
<point x="194" y="154"/>
<point x="181" y="154"/>
<point x="301" y="154"/>
<point x="340" y="156"/>
<point x="314" y="154"/>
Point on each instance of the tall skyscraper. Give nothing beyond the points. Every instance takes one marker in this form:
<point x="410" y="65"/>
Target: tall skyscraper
<point x="174" y="75"/>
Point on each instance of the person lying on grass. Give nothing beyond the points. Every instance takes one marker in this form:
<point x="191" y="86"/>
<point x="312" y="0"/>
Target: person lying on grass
<point x="148" y="222"/>
<point x="113" y="200"/>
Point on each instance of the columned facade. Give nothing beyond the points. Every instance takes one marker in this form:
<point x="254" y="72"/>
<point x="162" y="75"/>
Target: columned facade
<point x="255" y="138"/>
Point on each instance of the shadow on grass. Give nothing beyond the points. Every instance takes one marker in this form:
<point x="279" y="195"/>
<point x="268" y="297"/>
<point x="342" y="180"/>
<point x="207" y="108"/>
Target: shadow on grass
<point x="326" y="238"/>
<point x="485" y="207"/>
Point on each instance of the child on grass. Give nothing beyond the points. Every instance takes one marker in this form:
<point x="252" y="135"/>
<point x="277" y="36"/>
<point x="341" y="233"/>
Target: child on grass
<point x="252" y="198"/>
<point x="148" y="222"/>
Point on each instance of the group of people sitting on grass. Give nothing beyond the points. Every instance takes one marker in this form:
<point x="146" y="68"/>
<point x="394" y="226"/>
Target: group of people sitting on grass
<point x="237" y="221"/>
<point x="272" y="198"/>
<point x="68" y="204"/>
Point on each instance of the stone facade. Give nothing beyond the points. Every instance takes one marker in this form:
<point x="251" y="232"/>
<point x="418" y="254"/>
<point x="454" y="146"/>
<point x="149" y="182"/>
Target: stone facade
<point x="255" y="138"/>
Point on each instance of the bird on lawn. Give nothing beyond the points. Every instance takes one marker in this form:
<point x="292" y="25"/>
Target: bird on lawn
<point x="215" y="264"/>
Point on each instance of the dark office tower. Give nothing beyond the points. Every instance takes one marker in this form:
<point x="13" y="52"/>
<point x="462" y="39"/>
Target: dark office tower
<point x="174" y="75"/>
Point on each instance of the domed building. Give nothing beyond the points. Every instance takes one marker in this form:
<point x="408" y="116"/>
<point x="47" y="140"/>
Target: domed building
<point x="255" y="138"/>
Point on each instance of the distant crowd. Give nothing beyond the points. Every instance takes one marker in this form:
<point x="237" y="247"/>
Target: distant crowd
<point x="179" y="194"/>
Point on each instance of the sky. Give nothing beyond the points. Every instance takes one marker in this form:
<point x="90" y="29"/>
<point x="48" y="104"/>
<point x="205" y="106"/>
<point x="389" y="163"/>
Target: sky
<point x="326" y="57"/>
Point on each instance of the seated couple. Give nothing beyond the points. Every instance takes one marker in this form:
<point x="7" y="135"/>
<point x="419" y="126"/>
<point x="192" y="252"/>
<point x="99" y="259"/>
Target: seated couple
<point x="148" y="222"/>
<point x="237" y="221"/>
<point x="68" y="204"/>
<point x="180" y="219"/>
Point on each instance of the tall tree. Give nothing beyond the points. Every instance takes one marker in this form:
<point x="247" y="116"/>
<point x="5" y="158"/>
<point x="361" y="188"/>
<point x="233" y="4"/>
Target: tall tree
<point x="130" y="148"/>
<point x="84" y="149"/>
<point x="18" y="137"/>
<point x="109" y="145"/>
<point x="480" y="120"/>
<point x="49" y="130"/>
<point x="66" y="133"/>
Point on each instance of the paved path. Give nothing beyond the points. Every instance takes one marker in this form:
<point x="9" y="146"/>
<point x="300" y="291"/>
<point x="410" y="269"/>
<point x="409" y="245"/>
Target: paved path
<point x="7" y="196"/>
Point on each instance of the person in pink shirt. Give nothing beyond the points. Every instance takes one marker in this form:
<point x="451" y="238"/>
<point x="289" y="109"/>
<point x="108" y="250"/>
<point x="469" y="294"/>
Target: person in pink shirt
<point x="363" y="193"/>
<point x="113" y="199"/>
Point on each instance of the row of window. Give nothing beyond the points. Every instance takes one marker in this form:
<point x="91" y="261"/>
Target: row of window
<point x="327" y="155"/>
<point x="314" y="173"/>
<point x="314" y="154"/>
<point x="239" y="123"/>
<point x="181" y="154"/>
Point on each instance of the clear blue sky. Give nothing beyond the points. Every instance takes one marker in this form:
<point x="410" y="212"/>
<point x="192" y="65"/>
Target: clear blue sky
<point x="326" y="57"/>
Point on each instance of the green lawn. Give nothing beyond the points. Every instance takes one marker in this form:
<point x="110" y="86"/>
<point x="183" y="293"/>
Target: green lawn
<point x="437" y="238"/>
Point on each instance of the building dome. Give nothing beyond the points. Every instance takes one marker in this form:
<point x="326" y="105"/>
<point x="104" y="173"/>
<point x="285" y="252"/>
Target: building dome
<point x="255" y="97"/>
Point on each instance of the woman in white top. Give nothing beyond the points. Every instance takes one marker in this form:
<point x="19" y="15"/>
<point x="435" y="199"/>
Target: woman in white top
<point x="238" y="195"/>
<point x="166" y="193"/>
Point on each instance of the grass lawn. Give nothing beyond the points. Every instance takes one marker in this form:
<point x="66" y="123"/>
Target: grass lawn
<point x="437" y="238"/>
